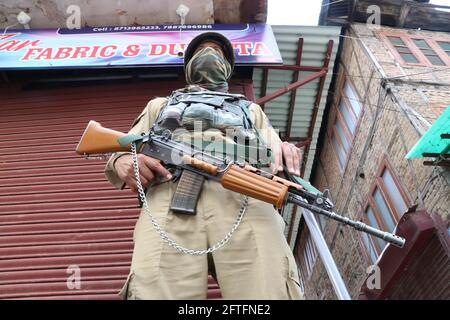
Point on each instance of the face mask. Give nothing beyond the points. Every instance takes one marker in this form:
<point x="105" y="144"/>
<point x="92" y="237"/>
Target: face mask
<point x="208" y="69"/>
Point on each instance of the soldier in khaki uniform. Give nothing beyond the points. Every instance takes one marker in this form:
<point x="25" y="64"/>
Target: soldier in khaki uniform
<point x="257" y="262"/>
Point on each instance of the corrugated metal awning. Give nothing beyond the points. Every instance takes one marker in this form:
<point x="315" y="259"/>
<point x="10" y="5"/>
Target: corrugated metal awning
<point x="314" y="50"/>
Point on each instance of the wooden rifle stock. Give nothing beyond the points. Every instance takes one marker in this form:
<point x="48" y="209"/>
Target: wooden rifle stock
<point x="97" y="139"/>
<point x="239" y="180"/>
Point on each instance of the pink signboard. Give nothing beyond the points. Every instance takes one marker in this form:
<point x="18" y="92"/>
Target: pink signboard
<point x="156" y="45"/>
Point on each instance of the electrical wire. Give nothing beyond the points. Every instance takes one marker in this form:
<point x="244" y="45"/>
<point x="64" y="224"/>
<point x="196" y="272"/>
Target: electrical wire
<point x="379" y="107"/>
<point x="13" y="25"/>
<point x="397" y="77"/>
<point x="419" y="73"/>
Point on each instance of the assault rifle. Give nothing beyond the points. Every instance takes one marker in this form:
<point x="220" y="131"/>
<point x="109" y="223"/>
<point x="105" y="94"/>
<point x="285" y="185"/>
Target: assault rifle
<point x="232" y="175"/>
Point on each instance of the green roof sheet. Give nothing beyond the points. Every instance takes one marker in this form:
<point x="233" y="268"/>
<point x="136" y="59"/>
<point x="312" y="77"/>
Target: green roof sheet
<point x="431" y="142"/>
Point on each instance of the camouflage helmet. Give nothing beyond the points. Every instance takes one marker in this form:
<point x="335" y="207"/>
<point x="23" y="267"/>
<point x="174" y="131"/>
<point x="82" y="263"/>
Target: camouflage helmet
<point x="215" y="37"/>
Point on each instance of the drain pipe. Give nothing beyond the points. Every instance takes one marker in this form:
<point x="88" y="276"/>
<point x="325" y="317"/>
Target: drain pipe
<point x="333" y="273"/>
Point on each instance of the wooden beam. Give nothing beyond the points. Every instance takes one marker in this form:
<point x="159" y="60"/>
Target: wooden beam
<point x="443" y="163"/>
<point x="404" y="11"/>
<point x="291" y="87"/>
<point x="435" y="155"/>
<point x="264" y="86"/>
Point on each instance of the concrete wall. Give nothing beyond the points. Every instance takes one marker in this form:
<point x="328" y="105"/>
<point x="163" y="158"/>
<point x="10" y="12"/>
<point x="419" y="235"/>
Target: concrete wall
<point x="54" y="13"/>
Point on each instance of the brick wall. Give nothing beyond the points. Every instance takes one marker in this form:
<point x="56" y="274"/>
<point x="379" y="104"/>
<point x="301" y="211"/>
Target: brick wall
<point x="395" y="114"/>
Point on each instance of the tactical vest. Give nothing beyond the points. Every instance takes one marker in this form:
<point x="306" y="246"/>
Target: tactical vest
<point x="205" y="110"/>
<point x="209" y="110"/>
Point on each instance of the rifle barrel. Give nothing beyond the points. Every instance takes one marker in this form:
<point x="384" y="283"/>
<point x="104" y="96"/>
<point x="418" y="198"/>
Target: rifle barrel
<point x="358" y="225"/>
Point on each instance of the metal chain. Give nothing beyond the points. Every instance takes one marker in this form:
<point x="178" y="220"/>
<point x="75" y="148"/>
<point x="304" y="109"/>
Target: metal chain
<point x="164" y="236"/>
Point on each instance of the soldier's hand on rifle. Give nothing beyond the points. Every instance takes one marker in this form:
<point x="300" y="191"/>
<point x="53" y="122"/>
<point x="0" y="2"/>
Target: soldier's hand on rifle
<point x="149" y="170"/>
<point x="291" y="155"/>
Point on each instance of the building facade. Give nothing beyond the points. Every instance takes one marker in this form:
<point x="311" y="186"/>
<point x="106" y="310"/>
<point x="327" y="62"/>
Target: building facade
<point x="390" y="86"/>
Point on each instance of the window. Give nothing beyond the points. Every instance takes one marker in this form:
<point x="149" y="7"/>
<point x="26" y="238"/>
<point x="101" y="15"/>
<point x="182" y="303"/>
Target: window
<point x="370" y="247"/>
<point x="385" y="206"/>
<point x="403" y="50"/>
<point x="344" y="129"/>
<point x="392" y="189"/>
<point x="428" y="52"/>
<point x="306" y="253"/>
<point x="445" y="46"/>
<point x="423" y="51"/>
<point x="383" y="210"/>
<point x="374" y="223"/>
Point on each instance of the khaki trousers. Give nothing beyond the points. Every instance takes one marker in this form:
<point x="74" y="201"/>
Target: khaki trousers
<point x="256" y="263"/>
